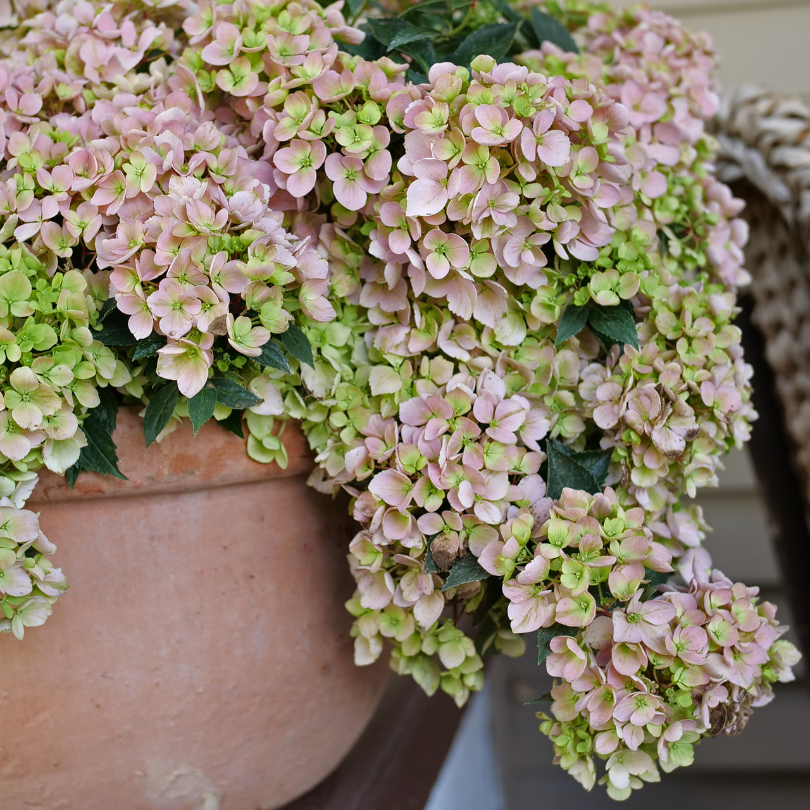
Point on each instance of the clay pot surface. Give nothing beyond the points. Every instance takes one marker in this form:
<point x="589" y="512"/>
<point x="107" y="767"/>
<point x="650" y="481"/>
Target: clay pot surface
<point x="201" y="659"/>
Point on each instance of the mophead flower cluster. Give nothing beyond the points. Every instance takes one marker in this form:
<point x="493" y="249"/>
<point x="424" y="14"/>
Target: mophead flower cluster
<point x="499" y="298"/>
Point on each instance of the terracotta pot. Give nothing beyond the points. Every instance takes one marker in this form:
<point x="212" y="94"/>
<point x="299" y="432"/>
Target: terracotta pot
<point x="201" y="659"/>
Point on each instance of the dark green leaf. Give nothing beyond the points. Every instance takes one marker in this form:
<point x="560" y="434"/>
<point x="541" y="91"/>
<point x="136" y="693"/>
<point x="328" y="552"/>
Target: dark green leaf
<point x="492" y="593"/>
<point x="508" y="12"/>
<point x="149" y="346"/>
<point x="422" y="52"/>
<point x="546" y="634"/>
<point x="354" y="6"/>
<point x="437" y="5"/>
<point x="233" y="395"/>
<point x="596" y="462"/>
<point x="492" y="40"/>
<point x="296" y="343"/>
<point x="607" y="343"/>
<point x="544" y="698"/>
<point x="465" y="569"/>
<point x="614" y="322"/>
<point x="572" y="323"/>
<point x="415" y="77"/>
<point x="430" y="563"/>
<point x="201" y="406"/>
<point x="370" y="48"/>
<point x="273" y="356"/>
<point x="566" y="471"/>
<point x="100" y="453"/>
<point x="106" y="308"/>
<point x="393" y="33"/>
<point x="159" y="410"/>
<point x="233" y="423"/>
<point x="485" y="636"/>
<point x="547" y="29"/>
<point x="115" y="332"/>
<point x="654" y="579"/>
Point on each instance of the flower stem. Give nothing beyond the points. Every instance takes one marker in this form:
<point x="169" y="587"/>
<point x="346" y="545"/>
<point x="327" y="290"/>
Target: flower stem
<point x="358" y="12"/>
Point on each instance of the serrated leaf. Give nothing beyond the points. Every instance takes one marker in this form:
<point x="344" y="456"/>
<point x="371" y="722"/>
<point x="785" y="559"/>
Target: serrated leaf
<point x="106" y="308"/>
<point x="614" y="322"/>
<point x="544" y="698"/>
<point x="430" y="563"/>
<point x="466" y="569"/>
<point x="233" y="424"/>
<point x="492" y="593"/>
<point x="394" y="32"/>
<point x="115" y="332"/>
<point x="273" y="356"/>
<point x="159" y="411"/>
<point x="422" y="52"/>
<point x="508" y="12"/>
<point x="492" y="40"/>
<point x="442" y="5"/>
<point x="201" y="406"/>
<point x="547" y="29"/>
<point x="607" y="343"/>
<point x="654" y="579"/>
<point x="100" y="454"/>
<point x="149" y="346"/>
<point x="572" y="323"/>
<point x="565" y="471"/>
<point x="596" y="462"/>
<point x="296" y="343"/>
<point x="546" y="634"/>
<point x="370" y="48"/>
<point x="485" y="636"/>
<point x="232" y="395"/>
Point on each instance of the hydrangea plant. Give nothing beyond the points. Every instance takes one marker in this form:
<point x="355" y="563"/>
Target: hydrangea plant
<point x="477" y="250"/>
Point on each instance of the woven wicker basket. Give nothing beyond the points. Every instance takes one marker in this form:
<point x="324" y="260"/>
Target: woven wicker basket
<point x="765" y="157"/>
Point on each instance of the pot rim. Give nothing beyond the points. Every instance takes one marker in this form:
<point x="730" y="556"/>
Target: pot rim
<point x="180" y="462"/>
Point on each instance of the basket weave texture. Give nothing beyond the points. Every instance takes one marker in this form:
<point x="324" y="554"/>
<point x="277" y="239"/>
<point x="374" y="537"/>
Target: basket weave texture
<point x="765" y="157"/>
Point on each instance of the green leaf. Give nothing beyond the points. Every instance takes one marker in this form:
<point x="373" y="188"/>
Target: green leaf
<point x="106" y="308"/>
<point x="439" y="5"/>
<point x="615" y="323"/>
<point x="100" y="455"/>
<point x="544" y="698"/>
<point x="159" y="410"/>
<point x="115" y="332"/>
<point x="492" y="40"/>
<point x="393" y="32"/>
<point x="273" y="356"/>
<point x="572" y="323"/>
<point x="422" y="52"/>
<point x="654" y="579"/>
<point x="492" y="593"/>
<point x="201" y="406"/>
<point x="370" y="48"/>
<point x="596" y="462"/>
<point x="465" y="569"/>
<point x="508" y="12"/>
<point x="565" y="471"/>
<point x="233" y="395"/>
<point x="485" y="636"/>
<point x="296" y="343"/>
<point x="430" y="563"/>
<point x="149" y="346"/>
<point x="547" y="29"/>
<point x="546" y="634"/>
<point x="233" y="423"/>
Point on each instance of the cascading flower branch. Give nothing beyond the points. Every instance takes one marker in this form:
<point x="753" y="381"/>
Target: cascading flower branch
<point x="477" y="251"/>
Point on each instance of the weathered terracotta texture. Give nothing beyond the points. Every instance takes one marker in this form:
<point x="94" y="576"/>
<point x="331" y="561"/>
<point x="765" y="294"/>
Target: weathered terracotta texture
<point x="201" y="659"/>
